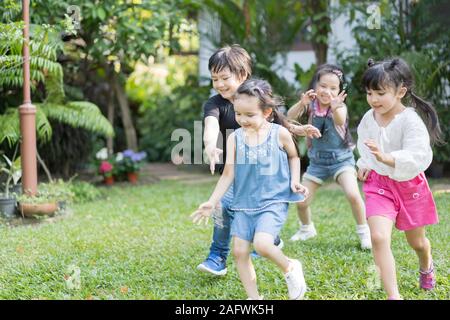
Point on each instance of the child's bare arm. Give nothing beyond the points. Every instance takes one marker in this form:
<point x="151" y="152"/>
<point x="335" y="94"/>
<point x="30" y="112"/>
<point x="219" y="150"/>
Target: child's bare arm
<point x="210" y="135"/>
<point x="289" y="146"/>
<point x="205" y="209"/>
<point x="294" y="161"/>
<point x="300" y="107"/>
<point x="227" y="177"/>
<point x="339" y="109"/>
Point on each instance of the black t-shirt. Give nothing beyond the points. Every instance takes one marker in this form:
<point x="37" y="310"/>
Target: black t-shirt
<point x="223" y="110"/>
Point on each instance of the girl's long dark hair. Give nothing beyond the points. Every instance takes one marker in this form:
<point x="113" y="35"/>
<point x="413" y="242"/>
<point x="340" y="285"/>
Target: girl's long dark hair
<point x="262" y="90"/>
<point x="396" y="73"/>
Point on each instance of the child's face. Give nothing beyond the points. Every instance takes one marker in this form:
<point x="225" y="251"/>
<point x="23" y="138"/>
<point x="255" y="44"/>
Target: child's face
<point x="248" y="113"/>
<point x="384" y="100"/>
<point x="226" y="83"/>
<point x="327" y="85"/>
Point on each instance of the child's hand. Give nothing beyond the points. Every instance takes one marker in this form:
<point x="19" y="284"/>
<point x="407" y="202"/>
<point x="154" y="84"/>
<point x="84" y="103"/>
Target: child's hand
<point x="337" y="102"/>
<point x="363" y="174"/>
<point x="202" y="213"/>
<point x="297" y="187"/>
<point x="213" y="154"/>
<point x="307" y="97"/>
<point x="306" y="130"/>
<point x="373" y="148"/>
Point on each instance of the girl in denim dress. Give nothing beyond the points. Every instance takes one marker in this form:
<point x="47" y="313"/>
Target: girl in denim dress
<point x="263" y="166"/>
<point x="330" y="155"/>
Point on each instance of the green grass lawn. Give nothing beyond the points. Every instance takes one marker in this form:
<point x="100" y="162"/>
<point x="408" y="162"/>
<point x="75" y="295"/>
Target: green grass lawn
<point x="138" y="243"/>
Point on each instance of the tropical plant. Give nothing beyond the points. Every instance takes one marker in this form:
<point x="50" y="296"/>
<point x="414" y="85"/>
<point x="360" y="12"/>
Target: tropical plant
<point x="13" y="171"/>
<point x="266" y="29"/>
<point x="44" y="69"/>
<point x="115" y="35"/>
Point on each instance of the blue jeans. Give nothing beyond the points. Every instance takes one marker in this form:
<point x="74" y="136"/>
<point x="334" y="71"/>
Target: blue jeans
<point x="220" y="245"/>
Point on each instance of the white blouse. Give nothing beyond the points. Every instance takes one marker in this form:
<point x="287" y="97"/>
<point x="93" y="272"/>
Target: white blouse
<point x="405" y="138"/>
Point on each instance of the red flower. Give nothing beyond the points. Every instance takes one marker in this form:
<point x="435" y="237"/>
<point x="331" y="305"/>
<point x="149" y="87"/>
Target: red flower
<point x="105" y="167"/>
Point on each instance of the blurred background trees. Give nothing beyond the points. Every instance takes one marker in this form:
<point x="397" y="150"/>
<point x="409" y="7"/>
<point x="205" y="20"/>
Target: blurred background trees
<point x="132" y="66"/>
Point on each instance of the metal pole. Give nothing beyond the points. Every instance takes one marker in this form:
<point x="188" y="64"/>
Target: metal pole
<point x="27" y="113"/>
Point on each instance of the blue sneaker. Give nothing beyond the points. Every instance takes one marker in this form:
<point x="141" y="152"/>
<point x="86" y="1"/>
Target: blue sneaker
<point x="278" y="242"/>
<point x="214" y="264"/>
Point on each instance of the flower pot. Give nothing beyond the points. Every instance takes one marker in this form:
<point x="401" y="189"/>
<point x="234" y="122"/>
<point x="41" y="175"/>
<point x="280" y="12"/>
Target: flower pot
<point x="39" y="209"/>
<point x="132" y="177"/>
<point x="8" y="207"/>
<point x="108" y="180"/>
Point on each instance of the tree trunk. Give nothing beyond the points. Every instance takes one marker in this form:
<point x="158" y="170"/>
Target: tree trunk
<point x="130" y="131"/>
<point x="323" y="28"/>
<point x="110" y="140"/>
<point x="246" y="10"/>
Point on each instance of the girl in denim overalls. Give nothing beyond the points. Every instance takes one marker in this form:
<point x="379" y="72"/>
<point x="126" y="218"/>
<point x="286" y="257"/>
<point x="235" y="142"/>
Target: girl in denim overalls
<point x="263" y="166"/>
<point x="330" y="155"/>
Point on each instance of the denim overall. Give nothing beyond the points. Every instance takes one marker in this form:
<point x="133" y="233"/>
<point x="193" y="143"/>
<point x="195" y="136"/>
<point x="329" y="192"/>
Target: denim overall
<point x="328" y="155"/>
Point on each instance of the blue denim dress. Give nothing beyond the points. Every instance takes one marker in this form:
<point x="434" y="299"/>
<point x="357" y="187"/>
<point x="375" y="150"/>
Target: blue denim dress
<point x="328" y="156"/>
<point x="262" y="175"/>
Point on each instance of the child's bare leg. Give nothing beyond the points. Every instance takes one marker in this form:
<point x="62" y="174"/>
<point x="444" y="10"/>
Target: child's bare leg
<point x="264" y="246"/>
<point x="381" y="229"/>
<point x="244" y="265"/>
<point x="303" y="208"/>
<point x="347" y="180"/>
<point x="419" y="242"/>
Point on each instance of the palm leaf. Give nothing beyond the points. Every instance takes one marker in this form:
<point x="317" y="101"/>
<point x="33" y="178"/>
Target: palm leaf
<point x="10" y="126"/>
<point x="79" y="114"/>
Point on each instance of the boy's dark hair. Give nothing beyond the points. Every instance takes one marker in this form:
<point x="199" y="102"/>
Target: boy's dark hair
<point x="233" y="57"/>
<point x="395" y="73"/>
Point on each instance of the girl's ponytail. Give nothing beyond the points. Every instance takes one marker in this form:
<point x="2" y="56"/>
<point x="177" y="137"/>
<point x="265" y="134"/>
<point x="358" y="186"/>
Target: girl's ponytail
<point x="429" y="116"/>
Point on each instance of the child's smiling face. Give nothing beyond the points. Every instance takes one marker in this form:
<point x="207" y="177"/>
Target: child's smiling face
<point x="249" y="114"/>
<point x="384" y="100"/>
<point x="226" y="83"/>
<point x="327" y="88"/>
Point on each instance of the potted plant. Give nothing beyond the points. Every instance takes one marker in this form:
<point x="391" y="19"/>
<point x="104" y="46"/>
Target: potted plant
<point x="13" y="173"/>
<point x="106" y="166"/>
<point x="106" y="170"/>
<point x="50" y="198"/>
<point x="131" y="164"/>
<point x="40" y="204"/>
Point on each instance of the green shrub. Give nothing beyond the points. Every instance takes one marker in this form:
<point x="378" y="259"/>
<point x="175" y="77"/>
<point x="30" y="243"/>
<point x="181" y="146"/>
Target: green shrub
<point x="84" y="192"/>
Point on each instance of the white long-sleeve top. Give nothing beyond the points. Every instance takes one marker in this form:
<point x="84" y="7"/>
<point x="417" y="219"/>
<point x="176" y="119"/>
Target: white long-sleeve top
<point x="405" y="138"/>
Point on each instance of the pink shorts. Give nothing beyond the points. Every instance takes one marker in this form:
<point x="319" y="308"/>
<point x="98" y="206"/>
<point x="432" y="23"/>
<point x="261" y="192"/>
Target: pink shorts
<point x="409" y="204"/>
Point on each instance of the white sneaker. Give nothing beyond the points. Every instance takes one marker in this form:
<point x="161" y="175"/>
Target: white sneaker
<point x="305" y="232"/>
<point x="363" y="232"/>
<point x="295" y="281"/>
<point x="260" y="298"/>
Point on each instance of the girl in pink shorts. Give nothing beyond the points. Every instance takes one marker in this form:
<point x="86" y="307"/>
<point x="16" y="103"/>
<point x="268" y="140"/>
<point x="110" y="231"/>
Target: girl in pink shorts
<point x="395" y="150"/>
